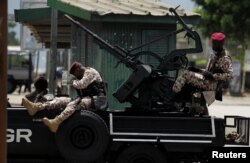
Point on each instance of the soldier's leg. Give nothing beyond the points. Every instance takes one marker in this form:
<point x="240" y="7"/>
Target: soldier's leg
<point x="86" y="103"/>
<point x="182" y="79"/>
<point x="58" y="102"/>
<point x="53" y="124"/>
<point x="33" y="108"/>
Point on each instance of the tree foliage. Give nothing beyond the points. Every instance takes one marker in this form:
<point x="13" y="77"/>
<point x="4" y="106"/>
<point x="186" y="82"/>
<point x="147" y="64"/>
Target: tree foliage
<point x="228" y="16"/>
<point x="12" y="35"/>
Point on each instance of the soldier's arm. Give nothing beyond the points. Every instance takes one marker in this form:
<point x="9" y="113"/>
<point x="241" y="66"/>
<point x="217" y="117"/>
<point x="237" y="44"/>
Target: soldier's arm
<point x="86" y="80"/>
<point x="227" y="70"/>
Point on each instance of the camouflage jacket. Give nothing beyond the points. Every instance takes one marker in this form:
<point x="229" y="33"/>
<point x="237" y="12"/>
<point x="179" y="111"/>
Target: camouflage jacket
<point x="221" y="67"/>
<point x="90" y="75"/>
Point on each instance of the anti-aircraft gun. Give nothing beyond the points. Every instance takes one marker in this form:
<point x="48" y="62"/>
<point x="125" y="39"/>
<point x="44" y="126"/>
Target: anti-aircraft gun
<point x="146" y="132"/>
<point x="155" y="79"/>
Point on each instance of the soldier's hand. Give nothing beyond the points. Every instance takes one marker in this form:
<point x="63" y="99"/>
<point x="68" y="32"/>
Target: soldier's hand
<point x="194" y="69"/>
<point x="208" y="75"/>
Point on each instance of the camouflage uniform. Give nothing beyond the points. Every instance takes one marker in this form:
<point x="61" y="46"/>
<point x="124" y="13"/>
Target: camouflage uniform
<point x="90" y="75"/>
<point x="222" y="62"/>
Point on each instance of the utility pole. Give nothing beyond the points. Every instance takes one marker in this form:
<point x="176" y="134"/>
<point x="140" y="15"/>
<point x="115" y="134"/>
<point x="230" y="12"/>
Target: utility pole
<point x="53" y="51"/>
<point x="3" y="80"/>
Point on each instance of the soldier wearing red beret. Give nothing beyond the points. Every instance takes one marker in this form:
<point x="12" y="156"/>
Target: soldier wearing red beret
<point x="219" y="69"/>
<point x="88" y="83"/>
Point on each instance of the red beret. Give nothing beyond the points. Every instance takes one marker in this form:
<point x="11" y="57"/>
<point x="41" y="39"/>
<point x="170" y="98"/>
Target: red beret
<point x="218" y="36"/>
<point x="74" y="66"/>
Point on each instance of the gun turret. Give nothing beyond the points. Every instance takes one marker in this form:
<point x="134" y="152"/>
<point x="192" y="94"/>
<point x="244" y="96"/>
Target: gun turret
<point x="147" y="87"/>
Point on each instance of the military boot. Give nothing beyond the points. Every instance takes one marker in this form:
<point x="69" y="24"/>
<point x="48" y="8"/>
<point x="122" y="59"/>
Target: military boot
<point x="32" y="108"/>
<point x="53" y="124"/>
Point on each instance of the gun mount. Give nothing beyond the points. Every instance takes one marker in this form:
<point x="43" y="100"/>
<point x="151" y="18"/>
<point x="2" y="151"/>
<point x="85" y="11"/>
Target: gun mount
<point x="147" y="87"/>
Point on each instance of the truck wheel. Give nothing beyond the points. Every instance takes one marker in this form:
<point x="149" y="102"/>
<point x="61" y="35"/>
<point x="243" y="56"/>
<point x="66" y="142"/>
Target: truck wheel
<point x="11" y="85"/>
<point x="84" y="137"/>
<point x="141" y="153"/>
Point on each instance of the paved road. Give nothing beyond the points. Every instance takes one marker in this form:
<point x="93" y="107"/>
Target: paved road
<point x="15" y="98"/>
<point x="231" y="106"/>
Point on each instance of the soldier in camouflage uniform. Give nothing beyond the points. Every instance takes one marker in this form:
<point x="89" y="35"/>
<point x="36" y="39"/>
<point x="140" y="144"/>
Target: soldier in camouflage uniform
<point x="87" y="84"/>
<point x="219" y="68"/>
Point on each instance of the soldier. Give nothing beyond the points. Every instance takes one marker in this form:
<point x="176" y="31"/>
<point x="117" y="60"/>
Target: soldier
<point x="41" y="86"/>
<point x="88" y="83"/>
<point x="219" y="69"/>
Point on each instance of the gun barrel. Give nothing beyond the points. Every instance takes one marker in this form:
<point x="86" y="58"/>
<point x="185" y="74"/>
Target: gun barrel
<point x="193" y="34"/>
<point x="121" y="55"/>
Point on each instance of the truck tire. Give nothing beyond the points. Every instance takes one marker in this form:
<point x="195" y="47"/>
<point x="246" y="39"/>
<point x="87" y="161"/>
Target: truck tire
<point x="141" y="153"/>
<point x="84" y="137"/>
<point x="11" y="85"/>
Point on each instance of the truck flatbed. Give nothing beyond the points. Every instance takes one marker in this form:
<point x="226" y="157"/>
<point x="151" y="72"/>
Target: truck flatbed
<point x="109" y="133"/>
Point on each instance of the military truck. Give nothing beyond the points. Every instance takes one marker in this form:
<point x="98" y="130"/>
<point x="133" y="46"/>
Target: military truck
<point x="150" y="130"/>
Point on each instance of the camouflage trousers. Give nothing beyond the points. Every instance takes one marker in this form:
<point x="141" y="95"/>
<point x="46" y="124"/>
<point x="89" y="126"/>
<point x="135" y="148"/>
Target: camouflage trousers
<point x="194" y="79"/>
<point x="69" y="105"/>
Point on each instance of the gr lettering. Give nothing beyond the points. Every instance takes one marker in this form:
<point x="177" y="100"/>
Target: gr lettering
<point x="19" y="135"/>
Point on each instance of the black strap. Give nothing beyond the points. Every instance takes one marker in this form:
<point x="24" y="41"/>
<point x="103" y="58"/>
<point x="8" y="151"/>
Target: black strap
<point x="94" y="89"/>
